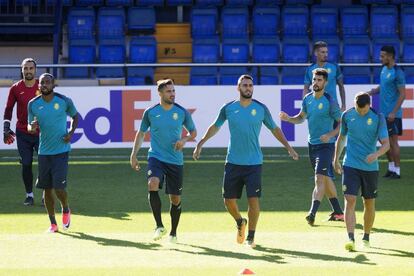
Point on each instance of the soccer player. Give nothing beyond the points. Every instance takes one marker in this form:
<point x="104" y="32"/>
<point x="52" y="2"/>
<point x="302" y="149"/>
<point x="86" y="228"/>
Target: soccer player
<point x="48" y="112"/>
<point x="244" y="156"/>
<point x="392" y="95"/>
<point x="21" y="93"/>
<point x="320" y="50"/>
<point x="363" y="127"/>
<point x="165" y="157"/>
<point x="321" y="111"/>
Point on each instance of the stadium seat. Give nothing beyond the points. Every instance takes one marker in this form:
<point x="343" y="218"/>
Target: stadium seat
<point x="203" y="76"/>
<point x="295" y="50"/>
<point x="81" y="23"/>
<point x="293" y="75"/>
<point x="357" y="75"/>
<point x="376" y="74"/>
<point x="230" y="75"/>
<point x="367" y="2"/>
<point x="356" y="50"/>
<point x="269" y="76"/>
<point x="305" y="2"/>
<point x="111" y="23"/>
<point x="179" y="2"/>
<point x="140" y="76"/>
<point x="295" y="20"/>
<point x="143" y="50"/>
<point x="354" y="20"/>
<point x="207" y="3"/>
<point x="379" y="42"/>
<point x="239" y="2"/>
<point x="80" y="51"/>
<point x="149" y="3"/>
<point x="409" y="75"/>
<point x="333" y="47"/>
<point x="324" y="20"/>
<point x="235" y="50"/>
<point x="67" y="3"/>
<point x="111" y="51"/>
<point x="235" y="22"/>
<point x="90" y="2"/>
<point x="408" y="50"/>
<point x="266" y="21"/>
<point x="141" y="19"/>
<point x="384" y="21"/>
<point x="204" y="22"/>
<point x="407" y="21"/>
<point x="119" y="2"/>
<point x="264" y="3"/>
<point x="27" y="2"/>
<point x="206" y="50"/>
<point x="266" y="50"/>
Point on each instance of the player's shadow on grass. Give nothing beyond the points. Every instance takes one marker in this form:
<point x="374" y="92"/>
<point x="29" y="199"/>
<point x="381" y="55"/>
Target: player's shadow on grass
<point x="229" y="254"/>
<point x="375" y="229"/>
<point x="111" y="242"/>
<point x="360" y="258"/>
<point x="395" y="252"/>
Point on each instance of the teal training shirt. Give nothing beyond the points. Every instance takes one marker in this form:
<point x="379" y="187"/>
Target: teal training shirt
<point x="52" y="119"/>
<point x="363" y="132"/>
<point x="166" y="128"/>
<point x="390" y="81"/>
<point x="245" y="124"/>
<point x="334" y="75"/>
<point x="321" y="114"/>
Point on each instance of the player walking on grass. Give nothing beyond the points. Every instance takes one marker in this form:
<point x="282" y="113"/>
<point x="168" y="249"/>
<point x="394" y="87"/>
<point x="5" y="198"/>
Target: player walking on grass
<point x="165" y="122"/>
<point x="48" y="113"/>
<point x="363" y="127"/>
<point x="244" y="156"/>
<point x="321" y="111"/>
<point x="27" y="143"/>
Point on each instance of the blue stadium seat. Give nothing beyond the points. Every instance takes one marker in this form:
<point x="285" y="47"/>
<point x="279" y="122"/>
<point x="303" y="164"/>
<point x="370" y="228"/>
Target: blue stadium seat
<point x="295" y="20"/>
<point x="266" y="50"/>
<point x="356" y="50"/>
<point x="266" y="20"/>
<point x="333" y="47"/>
<point x="295" y="49"/>
<point x="269" y="76"/>
<point x="204" y="22"/>
<point x="293" y="75"/>
<point x="384" y="21"/>
<point x="207" y="3"/>
<point x="239" y="2"/>
<point x="407" y="21"/>
<point x="305" y="2"/>
<point x="235" y="50"/>
<point x="27" y="3"/>
<point x="149" y="3"/>
<point x="111" y="23"/>
<point x="379" y="42"/>
<point x="264" y="3"/>
<point x="81" y="23"/>
<point x="235" y="22"/>
<point x="376" y="74"/>
<point x="354" y="20"/>
<point x="66" y="3"/>
<point x="230" y="75"/>
<point x="206" y="50"/>
<point x="143" y="50"/>
<point x="357" y="75"/>
<point x="119" y="2"/>
<point x="179" y="2"/>
<point x="409" y="75"/>
<point x="141" y="19"/>
<point x="80" y="51"/>
<point x="324" y="20"/>
<point x="140" y="76"/>
<point x="203" y="76"/>
<point x="111" y="51"/>
<point x="367" y="2"/>
<point x="90" y="2"/>
<point x="408" y="50"/>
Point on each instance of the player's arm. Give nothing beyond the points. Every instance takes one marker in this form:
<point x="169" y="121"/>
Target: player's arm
<point x="374" y="91"/>
<point x="179" y="145"/>
<point x="73" y="125"/>
<point x="139" y="138"/>
<point x="327" y="136"/>
<point x="8" y="134"/>
<point x="341" y="87"/>
<point x="211" y="131"/>
<point x="339" y="147"/>
<point x="385" y="146"/>
<point x="32" y="123"/>
<point x="306" y="89"/>
<point x="398" y="104"/>
<point x="297" y="119"/>
<point x="280" y="136"/>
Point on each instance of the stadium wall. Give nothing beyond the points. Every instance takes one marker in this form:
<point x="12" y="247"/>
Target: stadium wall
<point x="111" y="115"/>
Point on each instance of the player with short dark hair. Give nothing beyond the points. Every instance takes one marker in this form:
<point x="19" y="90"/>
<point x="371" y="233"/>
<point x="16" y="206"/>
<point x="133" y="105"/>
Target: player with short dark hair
<point x="165" y="122"/>
<point x="321" y="111"/>
<point x="392" y="96"/>
<point x="244" y="156"/>
<point x="48" y="113"/>
<point x="361" y="127"/>
<point x="20" y="94"/>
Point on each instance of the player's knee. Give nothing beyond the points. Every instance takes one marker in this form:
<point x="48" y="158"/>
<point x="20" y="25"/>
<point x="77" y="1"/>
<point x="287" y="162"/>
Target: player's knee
<point x="350" y="200"/>
<point x="153" y="184"/>
<point x="175" y="200"/>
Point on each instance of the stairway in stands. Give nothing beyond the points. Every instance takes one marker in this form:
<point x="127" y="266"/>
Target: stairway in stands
<point x="174" y="46"/>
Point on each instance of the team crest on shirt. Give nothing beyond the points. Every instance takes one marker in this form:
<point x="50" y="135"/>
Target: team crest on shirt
<point x="320" y="106"/>
<point x="56" y="106"/>
<point x="369" y="121"/>
<point x="253" y="112"/>
<point x="175" y="115"/>
<point x="149" y="172"/>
